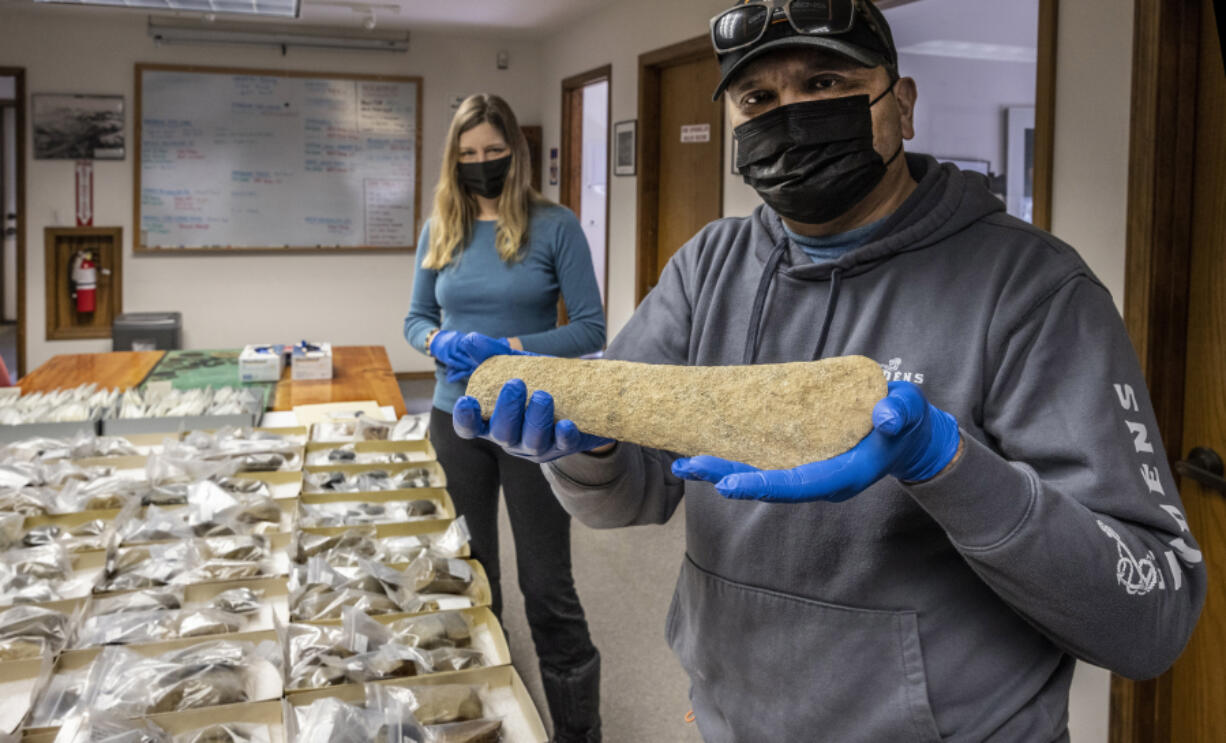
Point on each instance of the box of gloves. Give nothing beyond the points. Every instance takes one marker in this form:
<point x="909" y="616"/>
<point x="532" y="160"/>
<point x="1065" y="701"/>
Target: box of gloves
<point x="261" y="363"/>
<point x="311" y="361"/>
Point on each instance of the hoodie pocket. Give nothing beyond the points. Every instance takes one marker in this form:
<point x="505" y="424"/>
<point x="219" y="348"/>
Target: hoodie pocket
<point x="768" y="666"/>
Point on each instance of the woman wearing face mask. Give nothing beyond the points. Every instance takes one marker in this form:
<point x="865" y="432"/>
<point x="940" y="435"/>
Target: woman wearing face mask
<point x="493" y="259"/>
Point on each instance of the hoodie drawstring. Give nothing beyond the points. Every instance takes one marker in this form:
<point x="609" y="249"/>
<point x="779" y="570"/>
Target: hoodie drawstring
<point x="835" y="282"/>
<point x="759" y="300"/>
<point x="759" y="305"/>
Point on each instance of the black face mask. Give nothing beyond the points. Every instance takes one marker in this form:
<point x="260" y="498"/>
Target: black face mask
<point x="485" y="178"/>
<point x="812" y="161"/>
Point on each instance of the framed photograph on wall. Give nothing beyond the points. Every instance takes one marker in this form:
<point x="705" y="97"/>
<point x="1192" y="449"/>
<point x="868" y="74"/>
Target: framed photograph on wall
<point x="1019" y="163"/>
<point x="625" y="136"/>
<point x="78" y="127"/>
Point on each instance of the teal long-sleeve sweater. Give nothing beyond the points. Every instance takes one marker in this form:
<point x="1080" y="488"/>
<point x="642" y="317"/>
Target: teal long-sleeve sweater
<point x="480" y="292"/>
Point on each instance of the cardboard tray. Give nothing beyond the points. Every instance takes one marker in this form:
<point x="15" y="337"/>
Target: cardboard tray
<point x="395" y="529"/>
<point x="19" y="684"/>
<point x="446" y="509"/>
<point x="434" y="469"/>
<point x="505" y="696"/>
<point x="478" y="596"/>
<point x="420" y="451"/>
<point x="176" y="424"/>
<point x="266" y="713"/>
<point x="64" y="430"/>
<point x="487" y="637"/>
<point x="268" y="683"/>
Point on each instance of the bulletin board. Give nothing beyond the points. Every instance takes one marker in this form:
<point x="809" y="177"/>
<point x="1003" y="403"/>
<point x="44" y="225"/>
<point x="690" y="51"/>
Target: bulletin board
<point x="243" y="160"/>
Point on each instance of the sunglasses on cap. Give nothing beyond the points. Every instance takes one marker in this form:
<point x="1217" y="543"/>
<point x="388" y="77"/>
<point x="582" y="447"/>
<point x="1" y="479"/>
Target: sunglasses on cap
<point x="744" y="25"/>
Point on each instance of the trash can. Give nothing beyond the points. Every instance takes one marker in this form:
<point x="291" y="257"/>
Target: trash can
<point x="146" y="331"/>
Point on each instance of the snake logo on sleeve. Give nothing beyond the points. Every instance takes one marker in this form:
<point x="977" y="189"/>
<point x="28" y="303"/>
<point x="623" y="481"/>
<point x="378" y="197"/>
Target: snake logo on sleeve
<point x="1138" y="577"/>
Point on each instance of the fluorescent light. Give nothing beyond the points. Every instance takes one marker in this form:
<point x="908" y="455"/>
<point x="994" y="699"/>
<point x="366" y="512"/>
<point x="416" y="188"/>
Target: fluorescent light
<point x="175" y="32"/>
<point x="275" y="8"/>
<point x="974" y="50"/>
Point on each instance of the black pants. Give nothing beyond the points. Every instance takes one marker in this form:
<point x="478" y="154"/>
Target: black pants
<point x="541" y="528"/>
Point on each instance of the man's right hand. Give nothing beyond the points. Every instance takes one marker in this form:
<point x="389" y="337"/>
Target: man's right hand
<point x="527" y="431"/>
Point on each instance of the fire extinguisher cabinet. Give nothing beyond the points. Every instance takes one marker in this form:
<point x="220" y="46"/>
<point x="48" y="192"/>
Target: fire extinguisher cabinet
<point x="84" y="274"/>
<point x="147" y="331"/>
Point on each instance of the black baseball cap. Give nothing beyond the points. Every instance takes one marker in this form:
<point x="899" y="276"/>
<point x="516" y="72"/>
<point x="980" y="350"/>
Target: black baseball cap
<point x="868" y="42"/>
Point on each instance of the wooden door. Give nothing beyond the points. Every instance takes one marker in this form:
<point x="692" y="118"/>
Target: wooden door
<point x="1198" y="686"/>
<point x="691" y="155"/>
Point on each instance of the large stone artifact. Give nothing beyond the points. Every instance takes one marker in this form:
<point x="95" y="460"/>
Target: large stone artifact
<point x="771" y="416"/>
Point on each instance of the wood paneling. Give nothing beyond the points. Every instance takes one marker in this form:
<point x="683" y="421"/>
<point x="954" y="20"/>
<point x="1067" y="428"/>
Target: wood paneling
<point x="1045" y="113"/>
<point x="1196" y="683"/>
<point x="651" y="67"/>
<point x="122" y="369"/>
<point x="1162" y="157"/>
<point x="19" y="75"/>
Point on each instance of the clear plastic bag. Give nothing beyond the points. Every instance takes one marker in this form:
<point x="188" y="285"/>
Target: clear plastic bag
<point x="94" y="726"/>
<point x="63" y="697"/>
<point x="149" y="566"/>
<point x="447" y="629"/>
<point x="39" y="574"/>
<point x="306" y="646"/>
<point x="239" y="601"/>
<point x="331" y="720"/>
<point x="411" y="428"/>
<point x="150" y="599"/>
<point x="359" y="513"/>
<point x="202" y="675"/>
<point x="129" y="628"/>
<point x="32" y="632"/>
<point x="431" y="705"/>
<point x="367" y="481"/>
<point x="338" y="549"/>
<point x="227" y="732"/>
<point x="318" y="591"/>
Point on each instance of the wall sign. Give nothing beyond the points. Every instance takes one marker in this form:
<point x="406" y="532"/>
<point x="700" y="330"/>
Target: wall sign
<point x="85" y="193"/>
<point x="695" y="132"/>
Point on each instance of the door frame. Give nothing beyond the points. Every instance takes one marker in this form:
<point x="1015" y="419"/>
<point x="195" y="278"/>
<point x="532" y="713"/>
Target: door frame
<point x="1166" y="54"/>
<point x="651" y="64"/>
<point x="570" y="194"/>
<point x="19" y="75"/>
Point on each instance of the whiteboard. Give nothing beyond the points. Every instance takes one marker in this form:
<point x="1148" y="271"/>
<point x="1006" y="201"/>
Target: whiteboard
<point x="258" y="160"/>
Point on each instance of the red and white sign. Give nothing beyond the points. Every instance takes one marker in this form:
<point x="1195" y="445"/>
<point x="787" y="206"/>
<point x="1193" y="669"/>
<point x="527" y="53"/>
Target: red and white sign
<point x="85" y="193"/>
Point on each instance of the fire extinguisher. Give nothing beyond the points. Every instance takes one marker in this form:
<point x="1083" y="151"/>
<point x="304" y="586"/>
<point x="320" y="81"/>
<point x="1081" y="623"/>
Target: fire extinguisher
<point x="84" y="280"/>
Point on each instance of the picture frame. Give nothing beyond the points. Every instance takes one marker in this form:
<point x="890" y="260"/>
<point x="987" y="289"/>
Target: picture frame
<point x="625" y="147"/>
<point x="1019" y="162"/>
<point x="78" y="126"/>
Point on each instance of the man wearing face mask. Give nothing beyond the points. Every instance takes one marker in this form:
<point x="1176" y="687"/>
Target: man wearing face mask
<point x="1012" y="509"/>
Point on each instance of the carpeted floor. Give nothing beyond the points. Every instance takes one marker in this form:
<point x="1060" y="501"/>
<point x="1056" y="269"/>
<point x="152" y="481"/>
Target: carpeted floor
<point x="625" y="579"/>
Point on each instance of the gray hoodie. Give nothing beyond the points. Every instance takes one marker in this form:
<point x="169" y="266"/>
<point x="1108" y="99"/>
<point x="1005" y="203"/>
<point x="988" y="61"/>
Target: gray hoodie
<point x="947" y="610"/>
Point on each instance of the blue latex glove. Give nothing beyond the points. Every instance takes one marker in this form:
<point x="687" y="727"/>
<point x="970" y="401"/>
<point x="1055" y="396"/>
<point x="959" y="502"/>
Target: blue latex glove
<point x="527" y="431"/>
<point x="911" y="440"/>
<point x="454" y="351"/>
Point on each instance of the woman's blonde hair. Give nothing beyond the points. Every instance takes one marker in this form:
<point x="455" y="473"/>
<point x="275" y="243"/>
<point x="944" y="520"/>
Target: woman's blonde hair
<point x="455" y="208"/>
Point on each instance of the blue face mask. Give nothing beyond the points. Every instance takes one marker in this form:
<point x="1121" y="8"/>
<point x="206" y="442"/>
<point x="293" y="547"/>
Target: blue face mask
<point x="485" y="178"/>
<point x="812" y="161"/>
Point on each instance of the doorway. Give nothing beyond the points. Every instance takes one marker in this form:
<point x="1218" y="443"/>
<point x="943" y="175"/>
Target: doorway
<point x="12" y="220"/>
<point x="681" y="135"/>
<point x="1175" y="308"/>
<point x="585" y="163"/>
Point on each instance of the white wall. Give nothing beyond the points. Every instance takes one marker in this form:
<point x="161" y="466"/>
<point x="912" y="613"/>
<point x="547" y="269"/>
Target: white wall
<point x="1090" y="203"/>
<point x="960" y="111"/>
<point x="227" y="301"/>
<point x="616" y="35"/>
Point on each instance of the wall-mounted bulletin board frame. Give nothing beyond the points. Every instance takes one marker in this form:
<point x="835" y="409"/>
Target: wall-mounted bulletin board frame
<point x="239" y="160"/>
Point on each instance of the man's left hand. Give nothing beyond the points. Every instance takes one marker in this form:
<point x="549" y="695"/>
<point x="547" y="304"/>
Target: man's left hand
<point x="911" y="440"/>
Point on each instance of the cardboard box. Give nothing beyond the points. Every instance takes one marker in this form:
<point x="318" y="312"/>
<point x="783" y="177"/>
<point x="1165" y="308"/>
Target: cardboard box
<point x="417" y="451"/>
<point x="504" y="696"/>
<point x="445" y="508"/>
<point x="312" y="364"/>
<point x="261" y="363"/>
<point x="265" y="677"/>
<point x="438" y="478"/>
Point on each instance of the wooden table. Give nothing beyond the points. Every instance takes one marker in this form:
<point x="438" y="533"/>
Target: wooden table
<point x="358" y="373"/>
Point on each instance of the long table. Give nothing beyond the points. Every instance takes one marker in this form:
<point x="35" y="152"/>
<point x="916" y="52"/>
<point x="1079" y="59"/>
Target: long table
<point x="358" y="373"/>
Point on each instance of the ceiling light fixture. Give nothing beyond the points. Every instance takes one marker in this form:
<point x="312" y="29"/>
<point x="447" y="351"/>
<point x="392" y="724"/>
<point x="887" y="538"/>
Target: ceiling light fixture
<point x="173" y="31"/>
<point x="272" y="8"/>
